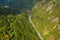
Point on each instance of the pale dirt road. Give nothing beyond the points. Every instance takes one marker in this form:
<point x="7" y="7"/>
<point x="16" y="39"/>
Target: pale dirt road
<point x="39" y="35"/>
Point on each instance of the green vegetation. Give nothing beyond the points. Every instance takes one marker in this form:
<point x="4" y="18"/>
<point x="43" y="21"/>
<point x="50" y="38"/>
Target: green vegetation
<point x="45" y="17"/>
<point x="16" y="27"/>
<point x="47" y="20"/>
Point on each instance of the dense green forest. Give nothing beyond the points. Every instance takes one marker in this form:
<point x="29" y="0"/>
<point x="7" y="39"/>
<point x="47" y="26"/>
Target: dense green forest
<point x="45" y="15"/>
<point x="16" y="27"/>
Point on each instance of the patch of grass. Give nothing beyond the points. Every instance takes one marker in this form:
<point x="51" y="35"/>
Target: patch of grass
<point x="47" y="22"/>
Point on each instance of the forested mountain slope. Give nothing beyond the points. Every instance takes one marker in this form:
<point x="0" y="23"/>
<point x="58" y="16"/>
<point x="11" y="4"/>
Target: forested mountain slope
<point x="18" y="22"/>
<point x="16" y="27"/>
<point x="14" y="23"/>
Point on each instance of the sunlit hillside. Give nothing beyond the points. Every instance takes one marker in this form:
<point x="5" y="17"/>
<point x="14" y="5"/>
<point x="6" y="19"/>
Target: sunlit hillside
<point x="46" y="19"/>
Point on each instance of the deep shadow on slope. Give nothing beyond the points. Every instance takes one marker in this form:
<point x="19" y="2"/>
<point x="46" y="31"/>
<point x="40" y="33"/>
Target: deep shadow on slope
<point x="17" y="6"/>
